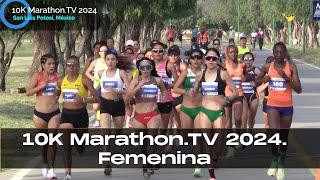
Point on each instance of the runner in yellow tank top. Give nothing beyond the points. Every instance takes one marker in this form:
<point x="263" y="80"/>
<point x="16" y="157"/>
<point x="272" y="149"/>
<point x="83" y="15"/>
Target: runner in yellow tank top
<point x="74" y="89"/>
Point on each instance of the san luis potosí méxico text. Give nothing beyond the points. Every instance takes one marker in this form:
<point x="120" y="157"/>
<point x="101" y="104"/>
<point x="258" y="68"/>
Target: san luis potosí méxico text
<point x="44" y="18"/>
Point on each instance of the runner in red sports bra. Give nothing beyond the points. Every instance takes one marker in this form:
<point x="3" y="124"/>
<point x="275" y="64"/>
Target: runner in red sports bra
<point x="144" y="89"/>
<point x="46" y="111"/>
<point x="283" y="78"/>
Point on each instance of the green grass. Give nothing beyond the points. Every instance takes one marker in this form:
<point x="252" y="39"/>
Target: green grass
<point x="311" y="56"/>
<point x="17" y="109"/>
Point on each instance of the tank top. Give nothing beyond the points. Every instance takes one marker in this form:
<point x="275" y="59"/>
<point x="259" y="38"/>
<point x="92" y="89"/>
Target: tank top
<point x="250" y="76"/>
<point x="51" y="87"/>
<point x="162" y="72"/>
<point x="100" y="66"/>
<point x="70" y="89"/>
<point x="203" y="38"/>
<point x="113" y="82"/>
<point x="212" y="88"/>
<point x="236" y="74"/>
<point x="280" y="93"/>
<point x="189" y="81"/>
<point x="148" y="92"/>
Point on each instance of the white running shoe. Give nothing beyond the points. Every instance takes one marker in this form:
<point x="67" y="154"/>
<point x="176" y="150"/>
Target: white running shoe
<point x="96" y="124"/>
<point x="273" y="168"/>
<point x="67" y="177"/>
<point x="44" y="172"/>
<point x="280" y="173"/>
<point x="51" y="174"/>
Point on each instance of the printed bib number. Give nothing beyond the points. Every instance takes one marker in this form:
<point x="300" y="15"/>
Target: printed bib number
<point x="236" y="81"/>
<point x="149" y="91"/>
<point x="69" y="95"/>
<point x="50" y="89"/>
<point x="209" y="88"/>
<point x="278" y="84"/>
<point x="192" y="81"/>
<point x="168" y="80"/>
<point x="109" y="84"/>
<point x="247" y="88"/>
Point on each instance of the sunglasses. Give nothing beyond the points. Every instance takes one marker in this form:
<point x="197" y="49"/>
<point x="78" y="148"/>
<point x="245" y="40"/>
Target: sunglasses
<point x="216" y="44"/>
<point x="196" y="57"/>
<point x="247" y="59"/>
<point x="104" y="51"/>
<point x="212" y="58"/>
<point x="71" y="64"/>
<point x="145" y="68"/>
<point x="158" y="51"/>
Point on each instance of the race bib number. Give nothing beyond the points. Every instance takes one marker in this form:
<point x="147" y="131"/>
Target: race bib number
<point x="192" y="81"/>
<point x="69" y="95"/>
<point x="278" y="84"/>
<point x="168" y="80"/>
<point x="247" y="88"/>
<point x="50" y="89"/>
<point x="108" y="84"/>
<point x="236" y="81"/>
<point x="209" y="88"/>
<point x="149" y="91"/>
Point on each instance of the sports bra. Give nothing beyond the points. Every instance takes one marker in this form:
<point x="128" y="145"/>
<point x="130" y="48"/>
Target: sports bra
<point x="212" y="88"/>
<point x="113" y="82"/>
<point x="51" y="87"/>
<point x="70" y="89"/>
<point x="148" y="92"/>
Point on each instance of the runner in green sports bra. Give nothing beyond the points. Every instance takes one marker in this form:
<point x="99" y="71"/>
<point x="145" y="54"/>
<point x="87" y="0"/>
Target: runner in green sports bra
<point x="191" y="104"/>
<point x="212" y="82"/>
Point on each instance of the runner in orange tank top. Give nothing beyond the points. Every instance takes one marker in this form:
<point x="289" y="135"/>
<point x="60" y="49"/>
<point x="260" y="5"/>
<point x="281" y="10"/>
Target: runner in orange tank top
<point x="235" y="70"/>
<point x="283" y="78"/>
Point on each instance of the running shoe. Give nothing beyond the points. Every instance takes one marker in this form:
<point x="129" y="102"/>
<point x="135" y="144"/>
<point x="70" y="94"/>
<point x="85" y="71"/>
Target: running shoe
<point x="107" y="170"/>
<point x="273" y="168"/>
<point x="44" y="172"/>
<point x="67" y="177"/>
<point x="212" y="179"/>
<point x="231" y="152"/>
<point x="96" y="124"/>
<point x="280" y="173"/>
<point x="51" y="174"/>
<point x="197" y="172"/>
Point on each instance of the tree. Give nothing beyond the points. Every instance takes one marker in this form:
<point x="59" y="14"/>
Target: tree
<point x="7" y="56"/>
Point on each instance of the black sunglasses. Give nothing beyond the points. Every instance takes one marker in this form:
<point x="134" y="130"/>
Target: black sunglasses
<point x="158" y="51"/>
<point x="196" y="57"/>
<point x="216" y="44"/>
<point x="212" y="58"/>
<point x="71" y="64"/>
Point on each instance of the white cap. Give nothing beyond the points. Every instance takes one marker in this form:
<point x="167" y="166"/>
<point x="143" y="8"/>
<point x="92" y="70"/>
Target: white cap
<point x="231" y="27"/>
<point x="130" y="42"/>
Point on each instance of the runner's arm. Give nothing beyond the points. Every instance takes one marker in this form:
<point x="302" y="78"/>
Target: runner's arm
<point x="162" y="87"/>
<point x="34" y="87"/>
<point x="89" y="70"/>
<point x="89" y="85"/>
<point x="177" y="86"/>
<point x="197" y="82"/>
<point x="126" y="81"/>
<point x="262" y="77"/>
<point x="173" y="71"/>
<point x="294" y="81"/>
<point x="225" y="77"/>
<point x="262" y="88"/>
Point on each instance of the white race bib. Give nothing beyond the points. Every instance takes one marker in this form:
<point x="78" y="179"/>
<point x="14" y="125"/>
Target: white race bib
<point x="209" y="88"/>
<point x="69" y="95"/>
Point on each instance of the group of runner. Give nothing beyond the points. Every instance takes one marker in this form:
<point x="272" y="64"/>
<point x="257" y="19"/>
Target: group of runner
<point x="161" y="90"/>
